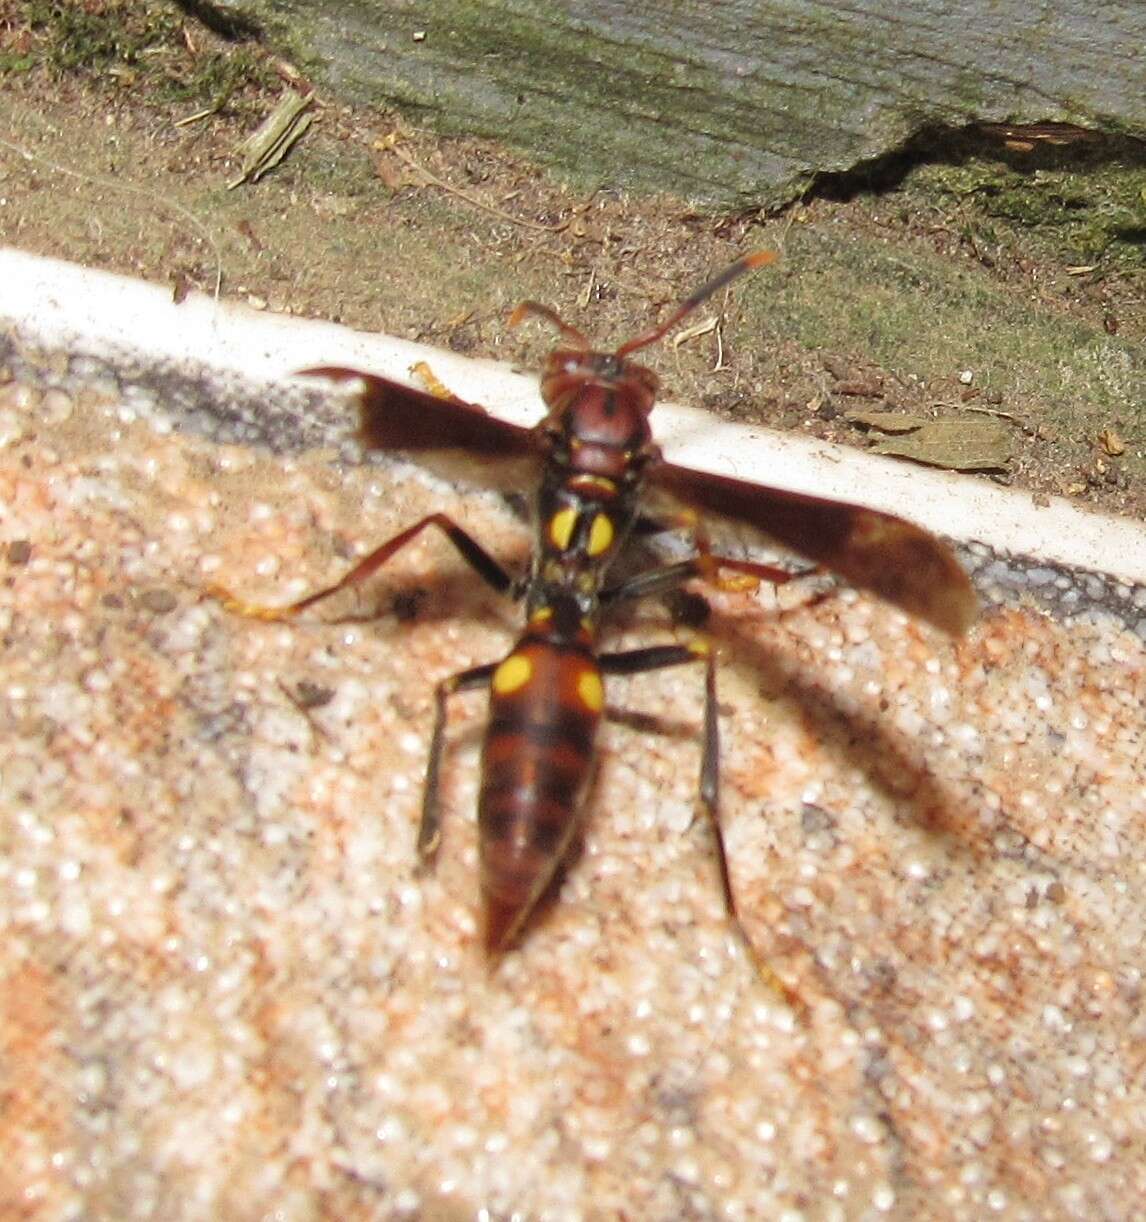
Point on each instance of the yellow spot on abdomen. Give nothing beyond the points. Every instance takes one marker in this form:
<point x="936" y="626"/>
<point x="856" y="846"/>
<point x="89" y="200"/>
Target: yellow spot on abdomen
<point x="591" y="690"/>
<point x="512" y="675"/>
<point x="561" y="527"/>
<point x="601" y="535"/>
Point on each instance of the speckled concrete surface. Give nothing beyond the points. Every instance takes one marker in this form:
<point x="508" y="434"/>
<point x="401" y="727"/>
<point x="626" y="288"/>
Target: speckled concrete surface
<point x="229" y="993"/>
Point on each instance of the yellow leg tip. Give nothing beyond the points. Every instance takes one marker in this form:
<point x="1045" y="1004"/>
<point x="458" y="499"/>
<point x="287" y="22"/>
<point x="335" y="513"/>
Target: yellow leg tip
<point x="236" y="606"/>
<point x="736" y="583"/>
<point x="788" y="995"/>
<point x="430" y="380"/>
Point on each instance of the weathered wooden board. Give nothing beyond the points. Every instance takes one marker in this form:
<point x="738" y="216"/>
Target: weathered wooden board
<point x="737" y="102"/>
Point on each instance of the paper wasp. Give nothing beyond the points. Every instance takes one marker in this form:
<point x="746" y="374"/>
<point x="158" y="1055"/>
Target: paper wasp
<point x="598" y="470"/>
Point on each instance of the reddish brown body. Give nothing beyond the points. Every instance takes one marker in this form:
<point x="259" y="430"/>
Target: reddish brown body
<point x="547" y="696"/>
<point x="544" y="711"/>
<point x="596" y="456"/>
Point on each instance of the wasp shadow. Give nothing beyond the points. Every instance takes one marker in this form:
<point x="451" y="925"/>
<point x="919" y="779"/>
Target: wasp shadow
<point x="894" y="763"/>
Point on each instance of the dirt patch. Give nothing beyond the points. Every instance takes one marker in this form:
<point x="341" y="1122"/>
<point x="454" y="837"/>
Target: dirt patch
<point x="992" y="283"/>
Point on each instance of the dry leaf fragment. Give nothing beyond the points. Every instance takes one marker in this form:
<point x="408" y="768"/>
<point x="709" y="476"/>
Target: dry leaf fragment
<point x="1112" y="442"/>
<point x="955" y="445"/>
<point x="836" y="366"/>
<point x="888" y="421"/>
<point x="859" y="390"/>
<point x="278" y="132"/>
<point x="393" y="178"/>
<point x="1023" y="137"/>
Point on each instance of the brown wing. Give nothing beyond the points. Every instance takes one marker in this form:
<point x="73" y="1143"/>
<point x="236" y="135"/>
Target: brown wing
<point x="399" y="417"/>
<point x="872" y="550"/>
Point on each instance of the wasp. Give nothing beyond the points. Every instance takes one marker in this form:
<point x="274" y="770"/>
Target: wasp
<point x="598" y="468"/>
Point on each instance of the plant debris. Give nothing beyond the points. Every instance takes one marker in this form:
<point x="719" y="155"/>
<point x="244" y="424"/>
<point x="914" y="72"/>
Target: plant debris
<point x="954" y="445"/>
<point x="887" y="421"/>
<point x="1112" y="442"/>
<point x="278" y="133"/>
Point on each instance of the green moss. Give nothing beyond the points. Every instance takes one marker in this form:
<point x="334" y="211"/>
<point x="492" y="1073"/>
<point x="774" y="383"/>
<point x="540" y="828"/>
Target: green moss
<point x="129" y="41"/>
<point x="1073" y="205"/>
<point x="71" y="37"/>
<point x="918" y="315"/>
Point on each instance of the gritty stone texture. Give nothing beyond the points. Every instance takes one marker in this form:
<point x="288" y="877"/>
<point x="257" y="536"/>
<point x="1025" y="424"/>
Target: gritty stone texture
<point x="228" y="992"/>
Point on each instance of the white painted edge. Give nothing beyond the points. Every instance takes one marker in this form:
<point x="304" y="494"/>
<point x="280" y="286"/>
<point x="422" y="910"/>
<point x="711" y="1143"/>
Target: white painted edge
<point x="53" y="302"/>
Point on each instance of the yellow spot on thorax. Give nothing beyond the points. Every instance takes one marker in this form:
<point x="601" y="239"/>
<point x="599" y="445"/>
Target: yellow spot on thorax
<point x="561" y="527"/>
<point x="512" y="675"/>
<point x="591" y="690"/>
<point x="601" y="535"/>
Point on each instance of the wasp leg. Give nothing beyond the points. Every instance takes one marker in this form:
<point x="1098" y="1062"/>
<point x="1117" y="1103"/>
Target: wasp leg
<point x="433" y="383"/>
<point x="706" y="566"/>
<point x="430" y="827"/>
<point x="657" y="657"/>
<point x="472" y="552"/>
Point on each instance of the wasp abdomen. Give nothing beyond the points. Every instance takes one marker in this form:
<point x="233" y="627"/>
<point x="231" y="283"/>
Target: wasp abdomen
<point x="545" y="706"/>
